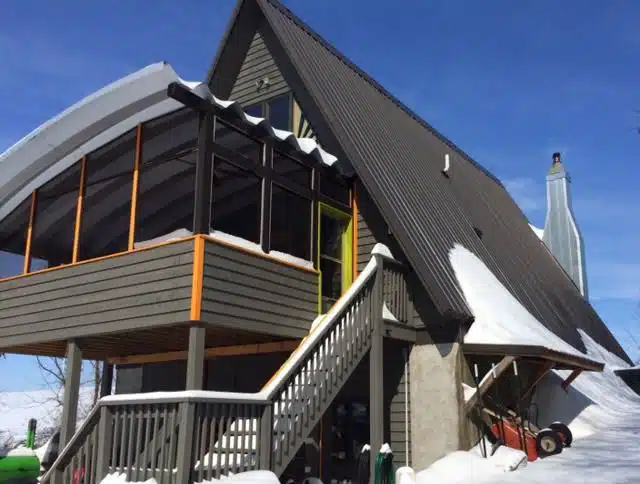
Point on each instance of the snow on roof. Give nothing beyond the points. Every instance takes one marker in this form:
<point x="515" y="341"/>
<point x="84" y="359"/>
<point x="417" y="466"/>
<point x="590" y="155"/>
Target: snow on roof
<point x="537" y="231"/>
<point x="104" y="116"/>
<point x="499" y="317"/>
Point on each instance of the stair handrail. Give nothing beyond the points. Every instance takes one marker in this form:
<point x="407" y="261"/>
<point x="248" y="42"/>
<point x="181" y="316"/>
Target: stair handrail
<point x="378" y="254"/>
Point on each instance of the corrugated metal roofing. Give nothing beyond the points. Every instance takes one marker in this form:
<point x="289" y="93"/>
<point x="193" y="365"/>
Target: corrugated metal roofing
<point x="399" y="158"/>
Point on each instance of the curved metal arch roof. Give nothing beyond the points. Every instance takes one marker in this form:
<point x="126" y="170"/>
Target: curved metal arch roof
<point x="104" y="116"/>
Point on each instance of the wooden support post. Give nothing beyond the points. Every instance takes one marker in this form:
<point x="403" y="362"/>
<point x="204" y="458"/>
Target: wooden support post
<point x="195" y="359"/>
<point x="204" y="171"/>
<point x="105" y="443"/>
<point x="106" y="381"/>
<point x="186" y="432"/>
<point x="267" y="190"/>
<point x="75" y="257"/>
<point x="376" y="368"/>
<point x="574" y="374"/>
<point x="488" y="380"/>
<point x="135" y="189"/>
<point x="71" y="392"/>
<point x="265" y="445"/>
<point x="29" y="241"/>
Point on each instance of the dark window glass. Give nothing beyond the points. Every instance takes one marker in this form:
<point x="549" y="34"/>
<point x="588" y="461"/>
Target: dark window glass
<point x="13" y="231"/>
<point x="290" y="223"/>
<point x="165" y="199"/>
<point x="107" y="209"/>
<point x="112" y="160"/>
<point x="291" y="169"/>
<point x="237" y="196"/>
<point x="333" y="187"/>
<point x="235" y="140"/>
<point x="55" y="217"/>
<point x="255" y="110"/>
<point x="175" y="134"/>
<point x="331" y="282"/>
<point x="332" y="230"/>
<point x="280" y="112"/>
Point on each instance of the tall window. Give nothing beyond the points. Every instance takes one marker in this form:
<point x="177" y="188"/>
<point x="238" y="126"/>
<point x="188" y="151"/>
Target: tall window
<point x="334" y="255"/>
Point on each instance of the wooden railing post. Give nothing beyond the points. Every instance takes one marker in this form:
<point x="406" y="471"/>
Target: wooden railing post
<point x="265" y="443"/>
<point x="376" y="365"/>
<point x="185" y="462"/>
<point x="105" y="443"/>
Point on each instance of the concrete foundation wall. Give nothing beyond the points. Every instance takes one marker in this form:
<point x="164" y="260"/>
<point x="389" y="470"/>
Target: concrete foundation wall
<point x="437" y="424"/>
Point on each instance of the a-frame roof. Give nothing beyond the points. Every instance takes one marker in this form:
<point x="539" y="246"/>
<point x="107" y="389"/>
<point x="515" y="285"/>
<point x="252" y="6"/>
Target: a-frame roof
<point x="399" y="159"/>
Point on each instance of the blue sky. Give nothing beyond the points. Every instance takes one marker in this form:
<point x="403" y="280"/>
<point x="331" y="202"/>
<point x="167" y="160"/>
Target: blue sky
<point x="509" y="82"/>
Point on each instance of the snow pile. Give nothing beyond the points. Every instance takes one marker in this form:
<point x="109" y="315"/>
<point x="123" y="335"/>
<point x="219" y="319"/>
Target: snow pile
<point x="16" y="408"/>
<point x="499" y="316"/>
<point x="253" y="477"/>
<point x="460" y="467"/>
<point x="537" y="231"/>
<point x="227" y="239"/>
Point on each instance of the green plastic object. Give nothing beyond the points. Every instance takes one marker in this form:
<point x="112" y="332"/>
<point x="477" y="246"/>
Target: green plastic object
<point x="21" y="466"/>
<point x="384" y="469"/>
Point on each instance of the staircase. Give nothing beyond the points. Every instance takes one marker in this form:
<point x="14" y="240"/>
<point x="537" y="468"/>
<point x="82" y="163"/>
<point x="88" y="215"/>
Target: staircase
<point x="182" y="437"/>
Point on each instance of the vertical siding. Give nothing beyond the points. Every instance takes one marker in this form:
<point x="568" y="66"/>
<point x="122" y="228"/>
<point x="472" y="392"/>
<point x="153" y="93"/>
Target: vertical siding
<point x="248" y="292"/>
<point x="257" y="65"/>
<point x="398" y="419"/>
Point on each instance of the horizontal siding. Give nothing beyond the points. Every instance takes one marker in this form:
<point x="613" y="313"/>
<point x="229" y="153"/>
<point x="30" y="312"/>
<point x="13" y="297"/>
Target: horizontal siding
<point x="245" y="291"/>
<point x="257" y="65"/>
<point x="142" y="289"/>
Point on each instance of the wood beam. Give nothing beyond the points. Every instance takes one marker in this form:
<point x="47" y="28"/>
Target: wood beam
<point x="135" y="189"/>
<point x="204" y="170"/>
<point x="195" y="358"/>
<point x="71" y="392"/>
<point x="488" y="380"/>
<point x="209" y="353"/>
<point x="574" y="374"/>
<point x="545" y="368"/>
<point x="79" y="210"/>
<point x="29" y="241"/>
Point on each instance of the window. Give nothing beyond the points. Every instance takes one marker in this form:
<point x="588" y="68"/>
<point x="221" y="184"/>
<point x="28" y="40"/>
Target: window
<point x="236" y="207"/>
<point x="238" y="142"/>
<point x="278" y="110"/>
<point x="335" y="246"/>
<point x="332" y="186"/>
<point x="107" y="202"/>
<point x="292" y="169"/>
<point x="290" y="223"/>
<point x="55" y="217"/>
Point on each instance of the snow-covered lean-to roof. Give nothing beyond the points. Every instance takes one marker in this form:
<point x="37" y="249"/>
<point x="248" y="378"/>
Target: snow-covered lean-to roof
<point x="102" y="117"/>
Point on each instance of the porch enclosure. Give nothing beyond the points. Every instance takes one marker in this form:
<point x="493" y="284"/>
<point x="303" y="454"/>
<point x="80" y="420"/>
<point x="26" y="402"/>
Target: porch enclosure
<point x="195" y="435"/>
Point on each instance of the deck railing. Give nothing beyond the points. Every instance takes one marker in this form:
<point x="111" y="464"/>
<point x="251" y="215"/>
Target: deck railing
<point x="178" y="437"/>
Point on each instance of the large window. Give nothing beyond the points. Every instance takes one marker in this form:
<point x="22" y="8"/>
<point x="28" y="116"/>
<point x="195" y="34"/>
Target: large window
<point x="334" y="255"/>
<point x="290" y="223"/>
<point x="167" y="176"/>
<point x="236" y="201"/>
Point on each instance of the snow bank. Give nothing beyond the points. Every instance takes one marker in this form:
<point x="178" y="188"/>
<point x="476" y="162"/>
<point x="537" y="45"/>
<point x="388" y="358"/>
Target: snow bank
<point x="593" y="401"/>
<point x="253" y="477"/>
<point x="460" y="467"/>
<point x="537" y="231"/>
<point x="499" y="316"/>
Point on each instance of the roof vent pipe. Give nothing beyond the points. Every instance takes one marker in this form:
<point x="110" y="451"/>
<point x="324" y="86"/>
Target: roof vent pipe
<point x="447" y="165"/>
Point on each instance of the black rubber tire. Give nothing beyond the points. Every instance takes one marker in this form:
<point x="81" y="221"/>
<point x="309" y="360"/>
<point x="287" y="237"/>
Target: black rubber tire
<point x="565" y="433"/>
<point x="548" y="442"/>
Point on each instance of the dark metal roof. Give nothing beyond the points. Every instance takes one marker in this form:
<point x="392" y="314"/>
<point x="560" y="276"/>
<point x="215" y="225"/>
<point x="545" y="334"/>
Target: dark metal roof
<point x="399" y="158"/>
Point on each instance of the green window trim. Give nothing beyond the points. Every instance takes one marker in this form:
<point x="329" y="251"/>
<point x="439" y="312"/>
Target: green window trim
<point x="347" y="247"/>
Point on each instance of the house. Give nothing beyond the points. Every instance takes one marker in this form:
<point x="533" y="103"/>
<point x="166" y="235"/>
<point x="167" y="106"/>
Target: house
<point x="265" y="259"/>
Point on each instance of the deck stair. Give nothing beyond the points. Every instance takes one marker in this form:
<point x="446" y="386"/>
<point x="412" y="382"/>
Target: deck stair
<point x="191" y="436"/>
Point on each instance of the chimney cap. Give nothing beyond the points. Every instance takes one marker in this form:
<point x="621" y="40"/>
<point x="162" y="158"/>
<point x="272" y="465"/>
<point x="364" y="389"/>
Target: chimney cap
<point x="556" y="158"/>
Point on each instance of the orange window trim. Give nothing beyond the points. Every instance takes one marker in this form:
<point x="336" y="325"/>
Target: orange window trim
<point x="29" y="242"/>
<point x="135" y="190"/>
<point x="198" y="278"/>
<point x="79" y="210"/>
